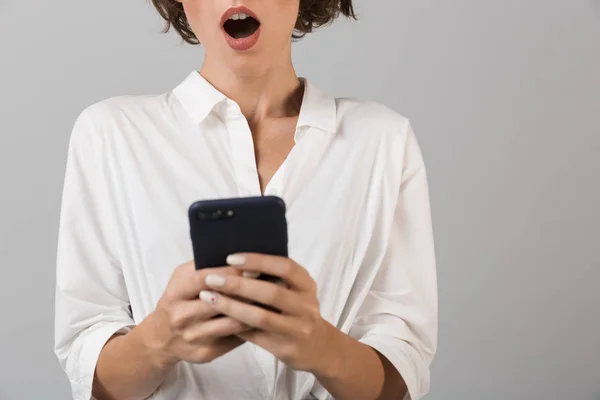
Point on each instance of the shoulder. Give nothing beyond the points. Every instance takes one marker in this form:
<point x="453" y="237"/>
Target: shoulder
<point x="102" y="122"/>
<point x="369" y="109"/>
<point x="375" y="126"/>
<point x="375" y="120"/>
<point x="116" y="115"/>
<point x="118" y="107"/>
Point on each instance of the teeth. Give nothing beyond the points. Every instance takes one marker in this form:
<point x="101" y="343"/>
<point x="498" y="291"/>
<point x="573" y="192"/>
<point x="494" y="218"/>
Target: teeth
<point x="242" y="16"/>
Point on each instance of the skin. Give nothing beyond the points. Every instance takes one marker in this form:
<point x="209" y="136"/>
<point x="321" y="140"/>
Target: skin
<point x="264" y="84"/>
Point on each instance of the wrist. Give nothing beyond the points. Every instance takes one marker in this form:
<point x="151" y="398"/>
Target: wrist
<point x="332" y="357"/>
<point x="154" y="343"/>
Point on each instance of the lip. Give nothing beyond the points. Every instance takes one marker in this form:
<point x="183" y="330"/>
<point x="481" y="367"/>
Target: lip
<point x="241" y="44"/>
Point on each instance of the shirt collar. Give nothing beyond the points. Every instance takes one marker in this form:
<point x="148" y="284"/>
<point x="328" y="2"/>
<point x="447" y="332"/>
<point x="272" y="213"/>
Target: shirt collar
<point x="199" y="98"/>
<point x="318" y="109"/>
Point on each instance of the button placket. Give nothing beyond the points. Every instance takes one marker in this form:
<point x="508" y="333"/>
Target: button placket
<point x="274" y="186"/>
<point x="242" y="147"/>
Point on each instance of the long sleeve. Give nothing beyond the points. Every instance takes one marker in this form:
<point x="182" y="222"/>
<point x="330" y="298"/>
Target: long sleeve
<point x="399" y="315"/>
<point x="91" y="302"/>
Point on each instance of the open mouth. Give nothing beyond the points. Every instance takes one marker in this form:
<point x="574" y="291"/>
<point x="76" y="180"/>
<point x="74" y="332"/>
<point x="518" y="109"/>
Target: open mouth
<point x="241" y="25"/>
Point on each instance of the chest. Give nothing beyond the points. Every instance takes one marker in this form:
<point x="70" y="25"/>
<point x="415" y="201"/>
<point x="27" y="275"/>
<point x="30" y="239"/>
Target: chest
<point x="333" y="189"/>
<point x="273" y="141"/>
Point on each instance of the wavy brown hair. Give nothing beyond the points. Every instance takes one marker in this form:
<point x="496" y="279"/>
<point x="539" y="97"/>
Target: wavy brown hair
<point x="312" y="14"/>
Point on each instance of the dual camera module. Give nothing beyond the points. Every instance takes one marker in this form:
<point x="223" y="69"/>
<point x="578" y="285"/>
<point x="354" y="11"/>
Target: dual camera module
<point x="216" y="215"/>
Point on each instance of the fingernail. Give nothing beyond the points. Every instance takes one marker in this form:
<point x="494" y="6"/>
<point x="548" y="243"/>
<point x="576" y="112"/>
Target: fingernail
<point x="208" y="297"/>
<point x="250" y="274"/>
<point x="236" y="259"/>
<point x="216" y="281"/>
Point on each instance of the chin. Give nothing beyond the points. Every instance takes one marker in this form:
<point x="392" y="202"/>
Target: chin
<point x="248" y="63"/>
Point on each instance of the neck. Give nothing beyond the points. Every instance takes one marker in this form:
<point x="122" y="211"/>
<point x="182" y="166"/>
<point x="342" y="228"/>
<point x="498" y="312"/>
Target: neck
<point x="274" y="92"/>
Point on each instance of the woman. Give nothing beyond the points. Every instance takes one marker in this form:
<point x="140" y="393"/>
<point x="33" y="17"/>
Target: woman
<point x="359" y="313"/>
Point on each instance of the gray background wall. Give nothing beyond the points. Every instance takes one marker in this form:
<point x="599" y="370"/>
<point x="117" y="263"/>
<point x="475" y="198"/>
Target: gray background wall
<point x="504" y="97"/>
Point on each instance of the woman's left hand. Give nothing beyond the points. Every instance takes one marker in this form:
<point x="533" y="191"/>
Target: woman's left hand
<point x="298" y="336"/>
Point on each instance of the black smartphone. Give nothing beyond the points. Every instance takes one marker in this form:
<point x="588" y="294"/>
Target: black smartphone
<point x="222" y="227"/>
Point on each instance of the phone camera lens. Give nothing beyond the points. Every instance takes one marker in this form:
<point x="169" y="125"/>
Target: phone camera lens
<point x="215" y="215"/>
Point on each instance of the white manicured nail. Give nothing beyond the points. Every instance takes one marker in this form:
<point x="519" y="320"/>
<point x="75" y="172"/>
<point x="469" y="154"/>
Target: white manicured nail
<point x="216" y="281"/>
<point x="208" y="297"/>
<point x="250" y="274"/>
<point x="236" y="259"/>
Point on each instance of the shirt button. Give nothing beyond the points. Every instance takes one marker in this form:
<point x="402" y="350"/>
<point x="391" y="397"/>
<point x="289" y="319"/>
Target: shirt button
<point x="272" y="192"/>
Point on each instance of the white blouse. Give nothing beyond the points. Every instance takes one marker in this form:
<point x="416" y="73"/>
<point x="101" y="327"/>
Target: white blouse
<point x="358" y="217"/>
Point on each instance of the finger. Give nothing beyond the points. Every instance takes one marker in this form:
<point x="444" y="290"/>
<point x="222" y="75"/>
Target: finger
<point x="227" y="343"/>
<point x="187" y="282"/>
<point x="251" y="315"/>
<point x="214" y="329"/>
<point x="264" y="292"/>
<point x="218" y="348"/>
<point x="251" y="275"/>
<point x="282" y="267"/>
<point x="189" y="312"/>
<point x="261" y="339"/>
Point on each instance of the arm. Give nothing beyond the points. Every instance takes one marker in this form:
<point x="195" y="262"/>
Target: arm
<point x="95" y="339"/>
<point x="182" y="328"/>
<point x="91" y="303"/>
<point x="299" y="336"/>
<point x="128" y="367"/>
<point x="398" y="318"/>
<point x="357" y="371"/>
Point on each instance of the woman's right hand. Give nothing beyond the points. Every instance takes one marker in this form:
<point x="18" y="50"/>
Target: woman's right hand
<point x="183" y="327"/>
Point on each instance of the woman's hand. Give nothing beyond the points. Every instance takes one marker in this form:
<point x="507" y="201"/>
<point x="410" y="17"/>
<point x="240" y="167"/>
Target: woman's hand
<point x="183" y="326"/>
<point x="298" y="336"/>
